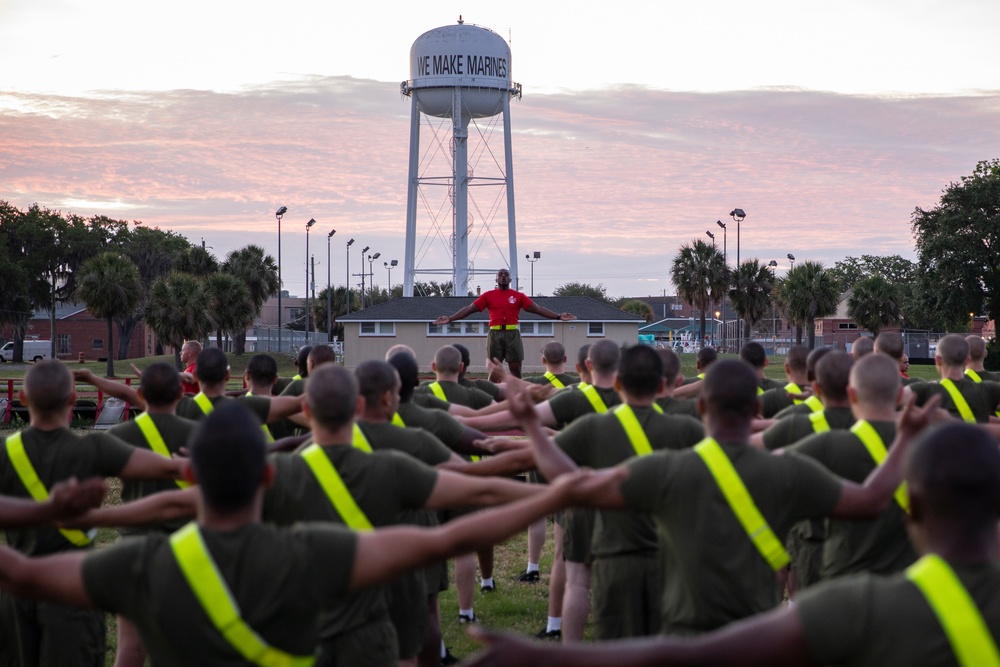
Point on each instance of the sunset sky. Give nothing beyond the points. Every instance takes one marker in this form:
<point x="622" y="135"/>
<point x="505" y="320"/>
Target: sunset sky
<point x="640" y="126"/>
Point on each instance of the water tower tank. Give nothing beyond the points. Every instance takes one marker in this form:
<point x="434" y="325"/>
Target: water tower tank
<point x="469" y="57"/>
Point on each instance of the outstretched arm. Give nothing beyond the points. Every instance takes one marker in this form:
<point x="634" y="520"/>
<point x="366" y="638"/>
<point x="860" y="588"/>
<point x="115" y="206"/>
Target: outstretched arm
<point x="509" y="463"/>
<point x="867" y="500"/>
<point x="110" y="387"/>
<point x="774" y="638"/>
<point x="454" y="489"/>
<point x="552" y="315"/>
<point x="157" y="508"/>
<point x="145" y="464"/>
<point x="464" y="312"/>
<point x="66" y="500"/>
<point x="552" y="461"/>
<point x="385" y="553"/>
<point x="57" y="578"/>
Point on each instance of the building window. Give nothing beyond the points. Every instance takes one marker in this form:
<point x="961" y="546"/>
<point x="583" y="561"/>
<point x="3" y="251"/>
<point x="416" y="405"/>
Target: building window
<point x="98" y="344"/>
<point x="458" y="329"/>
<point x="64" y="344"/>
<point x="595" y="328"/>
<point x="847" y="326"/>
<point x="378" y="328"/>
<point x="536" y="328"/>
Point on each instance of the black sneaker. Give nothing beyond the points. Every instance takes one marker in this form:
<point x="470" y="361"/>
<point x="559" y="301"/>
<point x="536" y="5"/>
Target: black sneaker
<point x="464" y="619"/>
<point x="448" y="658"/>
<point x="529" y="577"/>
<point x="488" y="588"/>
<point x="549" y="634"/>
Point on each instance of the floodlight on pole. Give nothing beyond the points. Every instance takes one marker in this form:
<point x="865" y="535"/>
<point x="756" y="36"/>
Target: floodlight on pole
<point x="329" y="300"/>
<point x="277" y="214"/>
<point x="791" y="258"/>
<point x="312" y="221"/>
<point x="738" y="215"/>
<point x="725" y="254"/>
<point x="389" y="266"/>
<point x="532" y="258"/>
<point x="371" y="274"/>
<point x="363" y="251"/>
<point x="347" y="285"/>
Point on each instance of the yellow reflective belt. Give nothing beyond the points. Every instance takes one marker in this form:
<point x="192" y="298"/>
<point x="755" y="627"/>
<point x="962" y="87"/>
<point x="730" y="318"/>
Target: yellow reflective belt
<point x="814" y="403"/>
<point x="974" y="376"/>
<point x="742" y="504"/>
<point x="793" y="388"/>
<point x="217" y="600"/>
<point x="959" y="401"/>
<point x="397" y="420"/>
<point x="360" y="441"/>
<point x="297" y="377"/>
<point x="590" y="391"/>
<point x="35" y="487"/>
<point x="640" y="443"/>
<point x="263" y="427"/>
<point x="876" y="447"/>
<point x="204" y="402"/>
<point x="553" y="380"/>
<point x="155" y="440"/>
<point x="701" y="376"/>
<point x="760" y="391"/>
<point x="438" y="390"/>
<point x="955" y="610"/>
<point x="819" y="422"/>
<point x="335" y="489"/>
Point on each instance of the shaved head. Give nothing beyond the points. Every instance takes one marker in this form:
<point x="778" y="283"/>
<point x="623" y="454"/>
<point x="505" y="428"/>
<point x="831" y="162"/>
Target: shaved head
<point x="447" y="360"/>
<point x="953" y="350"/>
<point x="875" y="380"/>
<point x="977" y="347"/>
<point x="48" y="386"/>
<point x="332" y="393"/>
<point x="833" y="372"/>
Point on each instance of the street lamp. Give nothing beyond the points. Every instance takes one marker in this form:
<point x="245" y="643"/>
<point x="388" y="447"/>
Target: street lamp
<point x="738" y="215"/>
<point x="329" y="301"/>
<point x="711" y="236"/>
<point x="371" y="274"/>
<point x="277" y="214"/>
<point x="534" y="257"/>
<point x="725" y="254"/>
<point x="347" y="285"/>
<point x="774" y="323"/>
<point x="389" y="266"/>
<point x="791" y="258"/>
<point x="312" y="221"/>
<point x="363" y="251"/>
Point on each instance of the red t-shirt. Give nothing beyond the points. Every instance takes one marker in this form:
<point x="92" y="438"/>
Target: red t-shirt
<point x="504" y="305"/>
<point x="192" y="388"/>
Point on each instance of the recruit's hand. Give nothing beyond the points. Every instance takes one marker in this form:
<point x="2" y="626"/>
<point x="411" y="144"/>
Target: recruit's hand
<point x="83" y="375"/>
<point x="522" y="408"/>
<point x="497" y="444"/>
<point x="71" y="498"/>
<point x="496" y="371"/>
<point x="444" y="319"/>
<point x="915" y="419"/>
<point x="505" y="649"/>
<point x="136" y="369"/>
<point x="567" y="316"/>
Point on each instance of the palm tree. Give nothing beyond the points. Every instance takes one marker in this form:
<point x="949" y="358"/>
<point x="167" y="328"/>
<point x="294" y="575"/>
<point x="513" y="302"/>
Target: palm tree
<point x="750" y="293"/>
<point x="874" y="304"/>
<point x="197" y="261"/>
<point x="807" y="292"/>
<point x="177" y="310"/>
<point x="110" y="286"/>
<point x="699" y="271"/>
<point x="230" y="305"/>
<point x="260" y="273"/>
<point x="639" y="308"/>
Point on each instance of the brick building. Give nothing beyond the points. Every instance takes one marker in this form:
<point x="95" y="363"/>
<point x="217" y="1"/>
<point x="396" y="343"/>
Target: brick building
<point x="78" y="331"/>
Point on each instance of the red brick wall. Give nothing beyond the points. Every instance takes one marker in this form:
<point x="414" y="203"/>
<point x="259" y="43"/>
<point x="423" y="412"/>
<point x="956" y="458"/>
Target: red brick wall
<point x="83" y="329"/>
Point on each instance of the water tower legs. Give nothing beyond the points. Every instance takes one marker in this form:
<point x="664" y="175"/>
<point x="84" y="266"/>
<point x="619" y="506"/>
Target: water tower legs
<point x="509" y="178"/>
<point x="460" y="137"/>
<point x="412" y="183"/>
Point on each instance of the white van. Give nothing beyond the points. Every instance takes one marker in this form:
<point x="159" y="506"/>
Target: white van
<point x="34" y="350"/>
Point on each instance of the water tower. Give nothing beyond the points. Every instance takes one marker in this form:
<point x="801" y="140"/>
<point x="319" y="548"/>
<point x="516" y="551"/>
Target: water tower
<point x="460" y="72"/>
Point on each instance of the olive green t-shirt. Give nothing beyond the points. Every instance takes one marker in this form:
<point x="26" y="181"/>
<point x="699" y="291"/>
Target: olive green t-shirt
<point x="871" y="621"/>
<point x="679" y="406"/>
<point x="175" y="432"/>
<point x="281" y="579"/>
<point x="429" y="400"/>
<point x="714" y="574"/>
<point x="566" y="379"/>
<point x="485" y="386"/>
<point x="416" y="442"/>
<point x="293" y="388"/>
<point x="437" y="422"/>
<point x="57" y="455"/>
<point x="879" y="545"/>
<point x="570" y="404"/>
<point x="600" y="441"/>
<point x="982" y="397"/>
<point x="384" y="484"/>
<point x="456" y="393"/>
<point x="259" y="405"/>
<point x="792" y="429"/>
<point x="777" y="399"/>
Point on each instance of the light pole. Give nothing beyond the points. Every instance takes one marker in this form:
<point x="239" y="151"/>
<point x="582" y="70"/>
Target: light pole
<point x="277" y="214"/>
<point x="714" y="324"/>
<point x="389" y="266"/>
<point x="725" y="254"/>
<point x="371" y="275"/>
<point x="532" y="258"/>
<point x="329" y="295"/>
<point x="363" y="251"/>
<point x="791" y="258"/>
<point x="312" y="221"/>
<point x="774" y="323"/>
<point x="738" y="215"/>
<point x="347" y="285"/>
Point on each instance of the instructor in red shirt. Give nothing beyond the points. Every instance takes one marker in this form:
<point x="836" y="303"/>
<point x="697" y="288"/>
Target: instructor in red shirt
<point x="504" y="306"/>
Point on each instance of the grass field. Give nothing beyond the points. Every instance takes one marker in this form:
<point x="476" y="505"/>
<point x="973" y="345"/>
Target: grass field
<point x="517" y="607"/>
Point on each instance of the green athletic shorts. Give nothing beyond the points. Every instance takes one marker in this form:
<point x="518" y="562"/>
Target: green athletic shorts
<point x="578" y="526"/>
<point x="505" y="345"/>
<point x="626" y="593"/>
<point x="371" y="645"/>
